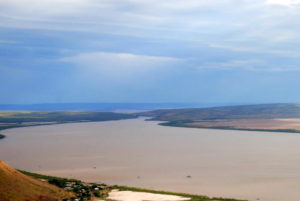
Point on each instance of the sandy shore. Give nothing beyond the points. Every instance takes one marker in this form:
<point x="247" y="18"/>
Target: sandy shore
<point x="141" y="196"/>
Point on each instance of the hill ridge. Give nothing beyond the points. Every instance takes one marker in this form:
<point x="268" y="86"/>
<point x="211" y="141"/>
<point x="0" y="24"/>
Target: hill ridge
<point x="256" y="111"/>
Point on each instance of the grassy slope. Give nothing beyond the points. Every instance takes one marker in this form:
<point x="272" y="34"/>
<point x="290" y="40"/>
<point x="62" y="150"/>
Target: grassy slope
<point x="41" y="176"/>
<point x="15" y="186"/>
<point x="262" y="111"/>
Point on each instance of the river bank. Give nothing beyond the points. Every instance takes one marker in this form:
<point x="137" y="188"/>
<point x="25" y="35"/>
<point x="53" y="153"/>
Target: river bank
<point x="262" y="125"/>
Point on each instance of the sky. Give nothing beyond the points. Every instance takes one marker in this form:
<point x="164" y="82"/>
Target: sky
<point x="56" y="51"/>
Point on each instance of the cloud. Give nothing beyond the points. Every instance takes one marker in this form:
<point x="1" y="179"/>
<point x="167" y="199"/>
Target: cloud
<point x="249" y="65"/>
<point x="265" y="50"/>
<point x="152" y="50"/>
<point x="283" y="2"/>
<point x="242" y="26"/>
<point x="120" y="63"/>
<point x="247" y="24"/>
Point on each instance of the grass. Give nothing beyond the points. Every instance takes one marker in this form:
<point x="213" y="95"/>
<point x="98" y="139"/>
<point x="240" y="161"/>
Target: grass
<point x="83" y="191"/>
<point x="41" y="176"/>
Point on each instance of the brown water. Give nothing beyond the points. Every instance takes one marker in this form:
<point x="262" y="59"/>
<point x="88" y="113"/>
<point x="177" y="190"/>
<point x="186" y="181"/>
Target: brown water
<point x="239" y="164"/>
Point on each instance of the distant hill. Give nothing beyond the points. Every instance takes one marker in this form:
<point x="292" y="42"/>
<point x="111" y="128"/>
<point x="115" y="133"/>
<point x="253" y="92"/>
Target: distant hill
<point x="15" y="186"/>
<point x="260" y="111"/>
<point x="101" y="106"/>
<point x="60" y="117"/>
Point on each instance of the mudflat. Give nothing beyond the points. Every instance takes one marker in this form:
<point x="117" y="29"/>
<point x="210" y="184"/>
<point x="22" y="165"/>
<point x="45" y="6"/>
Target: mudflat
<point x="142" y="196"/>
<point x="222" y="163"/>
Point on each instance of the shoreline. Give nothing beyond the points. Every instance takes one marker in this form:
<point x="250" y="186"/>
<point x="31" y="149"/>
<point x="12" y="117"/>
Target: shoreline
<point x="169" y="123"/>
<point x="20" y="125"/>
<point x="128" y="189"/>
<point x="15" y="119"/>
<point x="194" y="197"/>
<point x="183" y="125"/>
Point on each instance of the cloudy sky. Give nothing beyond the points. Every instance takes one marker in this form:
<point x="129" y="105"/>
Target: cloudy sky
<point x="244" y="51"/>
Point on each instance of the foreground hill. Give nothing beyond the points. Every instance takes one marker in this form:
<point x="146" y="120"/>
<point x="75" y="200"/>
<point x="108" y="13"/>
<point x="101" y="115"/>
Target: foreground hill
<point x="262" y="111"/>
<point x="15" y="186"/>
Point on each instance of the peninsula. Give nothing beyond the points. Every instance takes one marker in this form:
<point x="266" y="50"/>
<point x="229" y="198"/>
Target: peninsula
<point x="261" y="117"/>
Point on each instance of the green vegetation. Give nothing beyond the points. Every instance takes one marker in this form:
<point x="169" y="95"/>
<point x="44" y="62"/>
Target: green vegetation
<point x="2" y="136"/>
<point x="25" y="117"/>
<point x="22" y="119"/>
<point x="82" y="190"/>
<point x="262" y="111"/>
<point x="46" y="177"/>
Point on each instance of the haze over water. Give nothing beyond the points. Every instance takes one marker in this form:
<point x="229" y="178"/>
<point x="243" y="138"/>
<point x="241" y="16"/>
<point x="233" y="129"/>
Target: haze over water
<point x="238" y="164"/>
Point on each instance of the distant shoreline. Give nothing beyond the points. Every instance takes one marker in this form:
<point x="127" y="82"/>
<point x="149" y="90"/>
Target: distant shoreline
<point x="48" y="124"/>
<point x="18" y="119"/>
<point x="179" y="124"/>
<point x="6" y="127"/>
<point x="183" y="125"/>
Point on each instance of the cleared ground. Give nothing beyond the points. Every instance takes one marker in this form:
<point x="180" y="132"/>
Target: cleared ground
<point x="251" y="124"/>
